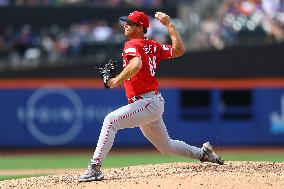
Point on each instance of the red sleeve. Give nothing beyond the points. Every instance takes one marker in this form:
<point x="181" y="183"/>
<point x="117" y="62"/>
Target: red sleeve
<point x="166" y="51"/>
<point x="130" y="49"/>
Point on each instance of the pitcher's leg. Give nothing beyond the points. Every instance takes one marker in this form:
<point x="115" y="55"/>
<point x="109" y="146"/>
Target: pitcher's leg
<point x="157" y="134"/>
<point x="129" y="116"/>
<point x="104" y="143"/>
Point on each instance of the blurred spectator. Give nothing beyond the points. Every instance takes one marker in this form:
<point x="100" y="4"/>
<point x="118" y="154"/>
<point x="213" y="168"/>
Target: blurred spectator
<point x="143" y="3"/>
<point x="106" y="3"/>
<point x="3" y="47"/>
<point x="102" y="31"/>
<point x="117" y="34"/>
<point x="242" y="21"/>
<point x="211" y="32"/>
<point x="157" y="31"/>
<point x="217" y="27"/>
<point x="53" y="43"/>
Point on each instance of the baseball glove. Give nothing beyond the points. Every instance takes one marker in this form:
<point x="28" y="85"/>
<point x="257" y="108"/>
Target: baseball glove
<point x="108" y="71"/>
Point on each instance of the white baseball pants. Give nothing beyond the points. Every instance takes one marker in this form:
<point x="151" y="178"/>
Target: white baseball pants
<point x="147" y="114"/>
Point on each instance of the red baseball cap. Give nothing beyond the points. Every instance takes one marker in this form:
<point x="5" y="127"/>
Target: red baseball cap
<point x="137" y="17"/>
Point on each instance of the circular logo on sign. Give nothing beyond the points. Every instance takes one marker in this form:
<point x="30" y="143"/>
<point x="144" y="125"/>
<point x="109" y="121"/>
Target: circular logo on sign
<point x="54" y="114"/>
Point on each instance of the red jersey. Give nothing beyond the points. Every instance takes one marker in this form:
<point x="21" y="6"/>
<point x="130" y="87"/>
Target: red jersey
<point x="151" y="53"/>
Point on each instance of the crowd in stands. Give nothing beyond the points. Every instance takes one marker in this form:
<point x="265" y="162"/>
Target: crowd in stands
<point x="60" y="3"/>
<point x="236" y="22"/>
<point x="243" y="21"/>
<point x="20" y="45"/>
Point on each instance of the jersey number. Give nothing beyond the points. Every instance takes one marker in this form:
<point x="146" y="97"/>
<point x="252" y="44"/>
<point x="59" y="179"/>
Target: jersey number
<point x="152" y="65"/>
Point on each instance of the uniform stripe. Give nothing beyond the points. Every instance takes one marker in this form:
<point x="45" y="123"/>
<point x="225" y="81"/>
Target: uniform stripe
<point x="104" y="142"/>
<point x="130" y="50"/>
<point x="111" y="125"/>
<point x="131" y="54"/>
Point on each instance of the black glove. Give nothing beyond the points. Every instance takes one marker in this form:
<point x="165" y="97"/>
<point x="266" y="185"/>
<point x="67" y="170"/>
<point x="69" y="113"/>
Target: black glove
<point x="108" y="71"/>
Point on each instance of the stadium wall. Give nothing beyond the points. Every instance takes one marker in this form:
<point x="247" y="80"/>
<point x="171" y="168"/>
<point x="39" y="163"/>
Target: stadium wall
<point x="68" y="112"/>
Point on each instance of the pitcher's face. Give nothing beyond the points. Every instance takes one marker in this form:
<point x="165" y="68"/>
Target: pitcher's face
<point x="131" y="29"/>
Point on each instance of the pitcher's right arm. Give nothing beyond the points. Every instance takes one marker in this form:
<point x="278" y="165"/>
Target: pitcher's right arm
<point x="177" y="42"/>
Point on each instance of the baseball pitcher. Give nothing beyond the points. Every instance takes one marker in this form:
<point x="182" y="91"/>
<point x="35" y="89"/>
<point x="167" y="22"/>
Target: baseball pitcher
<point x="141" y="57"/>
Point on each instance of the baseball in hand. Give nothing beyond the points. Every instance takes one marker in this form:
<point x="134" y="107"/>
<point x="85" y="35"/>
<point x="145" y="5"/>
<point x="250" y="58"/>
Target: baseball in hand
<point x="163" y="18"/>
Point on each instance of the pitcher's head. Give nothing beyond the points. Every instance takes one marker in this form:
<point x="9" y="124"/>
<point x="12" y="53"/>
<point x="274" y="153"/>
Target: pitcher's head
<point x="135" y="22"/>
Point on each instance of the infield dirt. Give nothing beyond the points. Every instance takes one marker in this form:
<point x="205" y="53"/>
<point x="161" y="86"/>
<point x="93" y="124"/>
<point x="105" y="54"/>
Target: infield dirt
<point x="241" y="175"/>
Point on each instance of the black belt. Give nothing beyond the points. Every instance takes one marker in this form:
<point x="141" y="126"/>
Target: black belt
<point x="138" y="97"/>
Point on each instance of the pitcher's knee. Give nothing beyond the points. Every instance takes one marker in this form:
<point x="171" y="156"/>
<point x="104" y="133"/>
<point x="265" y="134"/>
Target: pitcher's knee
<point x="110" y="120"/>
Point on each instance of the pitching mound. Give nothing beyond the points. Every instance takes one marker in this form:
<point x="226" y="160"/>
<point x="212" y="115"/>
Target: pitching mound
<point x="176" y="175"/>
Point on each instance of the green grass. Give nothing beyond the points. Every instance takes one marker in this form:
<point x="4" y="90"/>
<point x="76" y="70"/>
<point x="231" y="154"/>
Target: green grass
<point x="10" y="177"/>
<point x="43" y="161"/>
<point x="81" y="161"/>
<point x="117" y="160"/>
<point x="113" y="160"/>
<point x="273" y="157"/>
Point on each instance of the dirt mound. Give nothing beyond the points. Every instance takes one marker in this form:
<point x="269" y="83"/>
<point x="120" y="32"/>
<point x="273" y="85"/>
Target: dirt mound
<point x="175" y="175"/>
